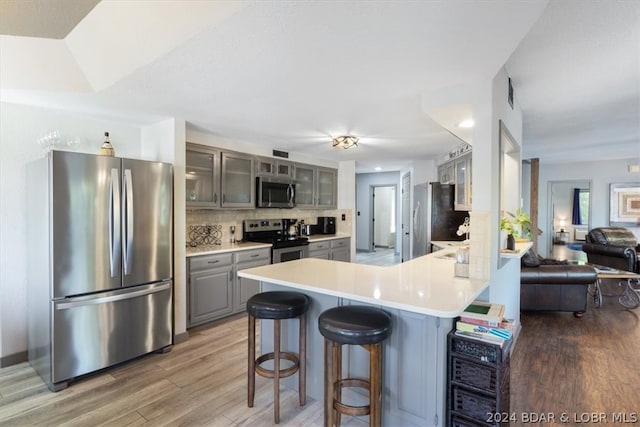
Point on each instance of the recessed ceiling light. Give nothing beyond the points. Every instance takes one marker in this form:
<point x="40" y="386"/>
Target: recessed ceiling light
<point x="378" y="168"/>
<point x="467" y="123"/>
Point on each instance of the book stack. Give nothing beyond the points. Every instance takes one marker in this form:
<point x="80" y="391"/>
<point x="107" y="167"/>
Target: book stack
<point x="485" y="322"/>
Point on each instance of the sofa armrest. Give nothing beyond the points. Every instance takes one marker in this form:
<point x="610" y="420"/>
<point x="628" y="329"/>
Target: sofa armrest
<point x="620" y="257"/>
<point x="558" y="274"/>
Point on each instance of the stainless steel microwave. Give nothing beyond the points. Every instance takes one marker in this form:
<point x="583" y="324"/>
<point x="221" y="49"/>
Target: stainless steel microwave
<point x="275" y="193"/>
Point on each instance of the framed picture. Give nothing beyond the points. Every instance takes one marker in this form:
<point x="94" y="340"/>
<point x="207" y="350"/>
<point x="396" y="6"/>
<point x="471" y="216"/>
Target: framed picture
<point x="625" y="204"/>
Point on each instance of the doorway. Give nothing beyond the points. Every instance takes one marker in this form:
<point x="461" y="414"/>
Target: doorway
<point x="383" y="217"/>
<point x="569" y="218"/>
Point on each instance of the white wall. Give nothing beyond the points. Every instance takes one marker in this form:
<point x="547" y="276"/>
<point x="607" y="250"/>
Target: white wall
<point x="601" y="174"/>
<point x="20" y="129"/>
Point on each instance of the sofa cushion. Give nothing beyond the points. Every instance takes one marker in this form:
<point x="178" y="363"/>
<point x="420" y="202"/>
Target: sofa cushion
<point x="618" y="236"/>
<point x="530" y="259"/>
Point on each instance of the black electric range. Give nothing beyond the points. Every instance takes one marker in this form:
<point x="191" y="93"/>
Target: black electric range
<point x="270" y="231"/>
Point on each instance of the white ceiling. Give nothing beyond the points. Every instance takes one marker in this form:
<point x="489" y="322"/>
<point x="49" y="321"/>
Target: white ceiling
<point x="291" y="75"/>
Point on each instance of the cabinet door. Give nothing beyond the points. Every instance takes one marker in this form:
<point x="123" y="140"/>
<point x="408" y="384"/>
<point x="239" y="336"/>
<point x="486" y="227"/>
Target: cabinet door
<point x="202" y="184"/>
<point x="463" y="183"/>
<point x="238" y="181"/>
<point x="210" y="295"/>
<point x="341" y="254"/>
<point x="327" y="188"/>
<point x="446" y="173"/>
<point x="320" y="250"/>
<point x="284" y="169"/>
<point x="265" y="167"/>
<point x="341" y="250"/>
<point x="305" y="186"/>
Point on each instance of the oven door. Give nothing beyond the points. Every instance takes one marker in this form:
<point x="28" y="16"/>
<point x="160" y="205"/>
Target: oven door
<point x="289" y="254"/>
<point x="275" y="193"/>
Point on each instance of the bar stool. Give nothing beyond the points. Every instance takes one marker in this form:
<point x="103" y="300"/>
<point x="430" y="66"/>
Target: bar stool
<point x="277" y="305"/>
<point x="353" y="325"/>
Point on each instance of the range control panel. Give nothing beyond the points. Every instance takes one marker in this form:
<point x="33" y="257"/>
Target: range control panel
<point x="254" y="225"/>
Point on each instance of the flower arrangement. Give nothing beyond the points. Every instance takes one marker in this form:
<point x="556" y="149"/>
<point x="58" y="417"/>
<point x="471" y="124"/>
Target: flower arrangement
<point x="464" y="228"/>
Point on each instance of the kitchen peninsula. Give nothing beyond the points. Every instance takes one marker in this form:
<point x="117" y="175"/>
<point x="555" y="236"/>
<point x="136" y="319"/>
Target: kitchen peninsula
<point x="422" y="295"/>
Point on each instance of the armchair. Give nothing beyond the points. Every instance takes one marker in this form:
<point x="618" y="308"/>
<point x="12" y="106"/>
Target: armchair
<point x="613" y="247"/>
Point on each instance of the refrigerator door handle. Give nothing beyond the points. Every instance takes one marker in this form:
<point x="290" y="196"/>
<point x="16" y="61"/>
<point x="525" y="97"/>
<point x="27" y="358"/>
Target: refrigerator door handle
<point x="114" y="222"/>
<point x="119" y="296"/>
<point x="128" y="226"/>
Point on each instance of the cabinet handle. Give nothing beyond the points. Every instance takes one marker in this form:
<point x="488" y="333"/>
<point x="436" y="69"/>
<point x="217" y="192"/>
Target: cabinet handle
<point x="215" y="197"/>
<point x="213" y="262"/>
<point x="255" y="255"/>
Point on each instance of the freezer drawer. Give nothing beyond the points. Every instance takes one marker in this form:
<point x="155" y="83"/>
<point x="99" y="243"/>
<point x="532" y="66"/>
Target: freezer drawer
<point x="91" y="333"/>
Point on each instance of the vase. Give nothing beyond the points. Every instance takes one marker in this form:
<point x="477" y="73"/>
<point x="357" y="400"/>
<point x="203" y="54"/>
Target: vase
<point x="511" y="242"/>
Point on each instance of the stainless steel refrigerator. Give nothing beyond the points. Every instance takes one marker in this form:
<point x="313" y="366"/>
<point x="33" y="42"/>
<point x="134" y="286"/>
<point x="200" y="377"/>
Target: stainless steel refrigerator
<point x="434" y="217"/>
<point x="100" y="262"/>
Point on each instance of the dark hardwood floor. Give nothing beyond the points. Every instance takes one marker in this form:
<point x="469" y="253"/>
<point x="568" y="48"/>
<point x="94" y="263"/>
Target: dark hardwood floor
<point x="560" y="365"/>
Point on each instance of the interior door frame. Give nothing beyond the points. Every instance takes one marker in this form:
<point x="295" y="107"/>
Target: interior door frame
<point x="372" y="213"/>
<point x="550" y="208"/>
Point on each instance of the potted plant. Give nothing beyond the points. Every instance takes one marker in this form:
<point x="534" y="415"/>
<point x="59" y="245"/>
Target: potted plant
<point x="515" y="225"/>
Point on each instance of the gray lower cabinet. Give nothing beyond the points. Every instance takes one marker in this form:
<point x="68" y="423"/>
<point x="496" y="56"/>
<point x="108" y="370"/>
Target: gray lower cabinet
<point x="341" y="250"/>
<point x="320" y="250"/>
<point x="333" y="249"/>
<point x="210" y="288"/>
<point x="215" y="290"/>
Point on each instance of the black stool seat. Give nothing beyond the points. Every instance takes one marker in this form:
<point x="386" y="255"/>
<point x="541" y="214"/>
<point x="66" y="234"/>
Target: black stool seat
<point x="355" y="325"/>
<point x="277" y="305"/>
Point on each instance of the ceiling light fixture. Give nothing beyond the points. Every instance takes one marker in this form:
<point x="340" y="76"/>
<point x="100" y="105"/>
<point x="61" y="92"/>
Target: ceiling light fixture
<point x="345" y="142"/>
<point x="466" y="124"/>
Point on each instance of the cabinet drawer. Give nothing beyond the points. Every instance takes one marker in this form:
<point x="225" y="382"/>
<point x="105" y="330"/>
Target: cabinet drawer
<point x="340" y="243"/>
<point x="254" y="255"/>
<point x="318" y="246"/>
<point x="210" y="261"/>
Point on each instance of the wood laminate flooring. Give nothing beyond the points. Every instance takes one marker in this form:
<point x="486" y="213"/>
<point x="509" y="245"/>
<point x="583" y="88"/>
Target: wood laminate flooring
<point x="560" y="365"/>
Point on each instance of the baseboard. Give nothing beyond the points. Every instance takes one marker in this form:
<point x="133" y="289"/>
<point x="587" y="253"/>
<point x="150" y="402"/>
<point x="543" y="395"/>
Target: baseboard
<point x="14" y="359"/>
<point x="181" y="337"/>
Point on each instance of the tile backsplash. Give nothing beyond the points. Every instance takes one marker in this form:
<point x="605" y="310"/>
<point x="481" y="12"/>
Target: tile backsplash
<point x="229" y="217"/>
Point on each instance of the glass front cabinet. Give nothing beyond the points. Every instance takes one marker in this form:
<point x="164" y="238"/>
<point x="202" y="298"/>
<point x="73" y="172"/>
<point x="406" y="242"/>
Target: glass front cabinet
<point x="202" y="178"/>
<point x="463" y="183"/>
<point x="327" y="188"/>
<point x="237" y="180"/>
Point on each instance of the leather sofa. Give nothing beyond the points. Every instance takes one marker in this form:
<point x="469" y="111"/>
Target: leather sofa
<point x="613" y="247"/>
<point x="552" y="286"/>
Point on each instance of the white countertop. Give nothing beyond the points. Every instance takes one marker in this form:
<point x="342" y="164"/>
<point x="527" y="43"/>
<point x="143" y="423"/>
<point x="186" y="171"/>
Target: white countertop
<point x="425" y="285"/>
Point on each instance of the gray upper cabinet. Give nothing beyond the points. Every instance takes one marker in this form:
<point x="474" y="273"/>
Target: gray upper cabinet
<point x="304" y="176"/>
<point x="316" y="187"/>
<point x="202" y="178"/>
<point x="237" y="180"/>
<point x="463" y="183"/>
<point x="327" y="188"/>
<point x="458" y="172"/>
<point x="266" y="166"/>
